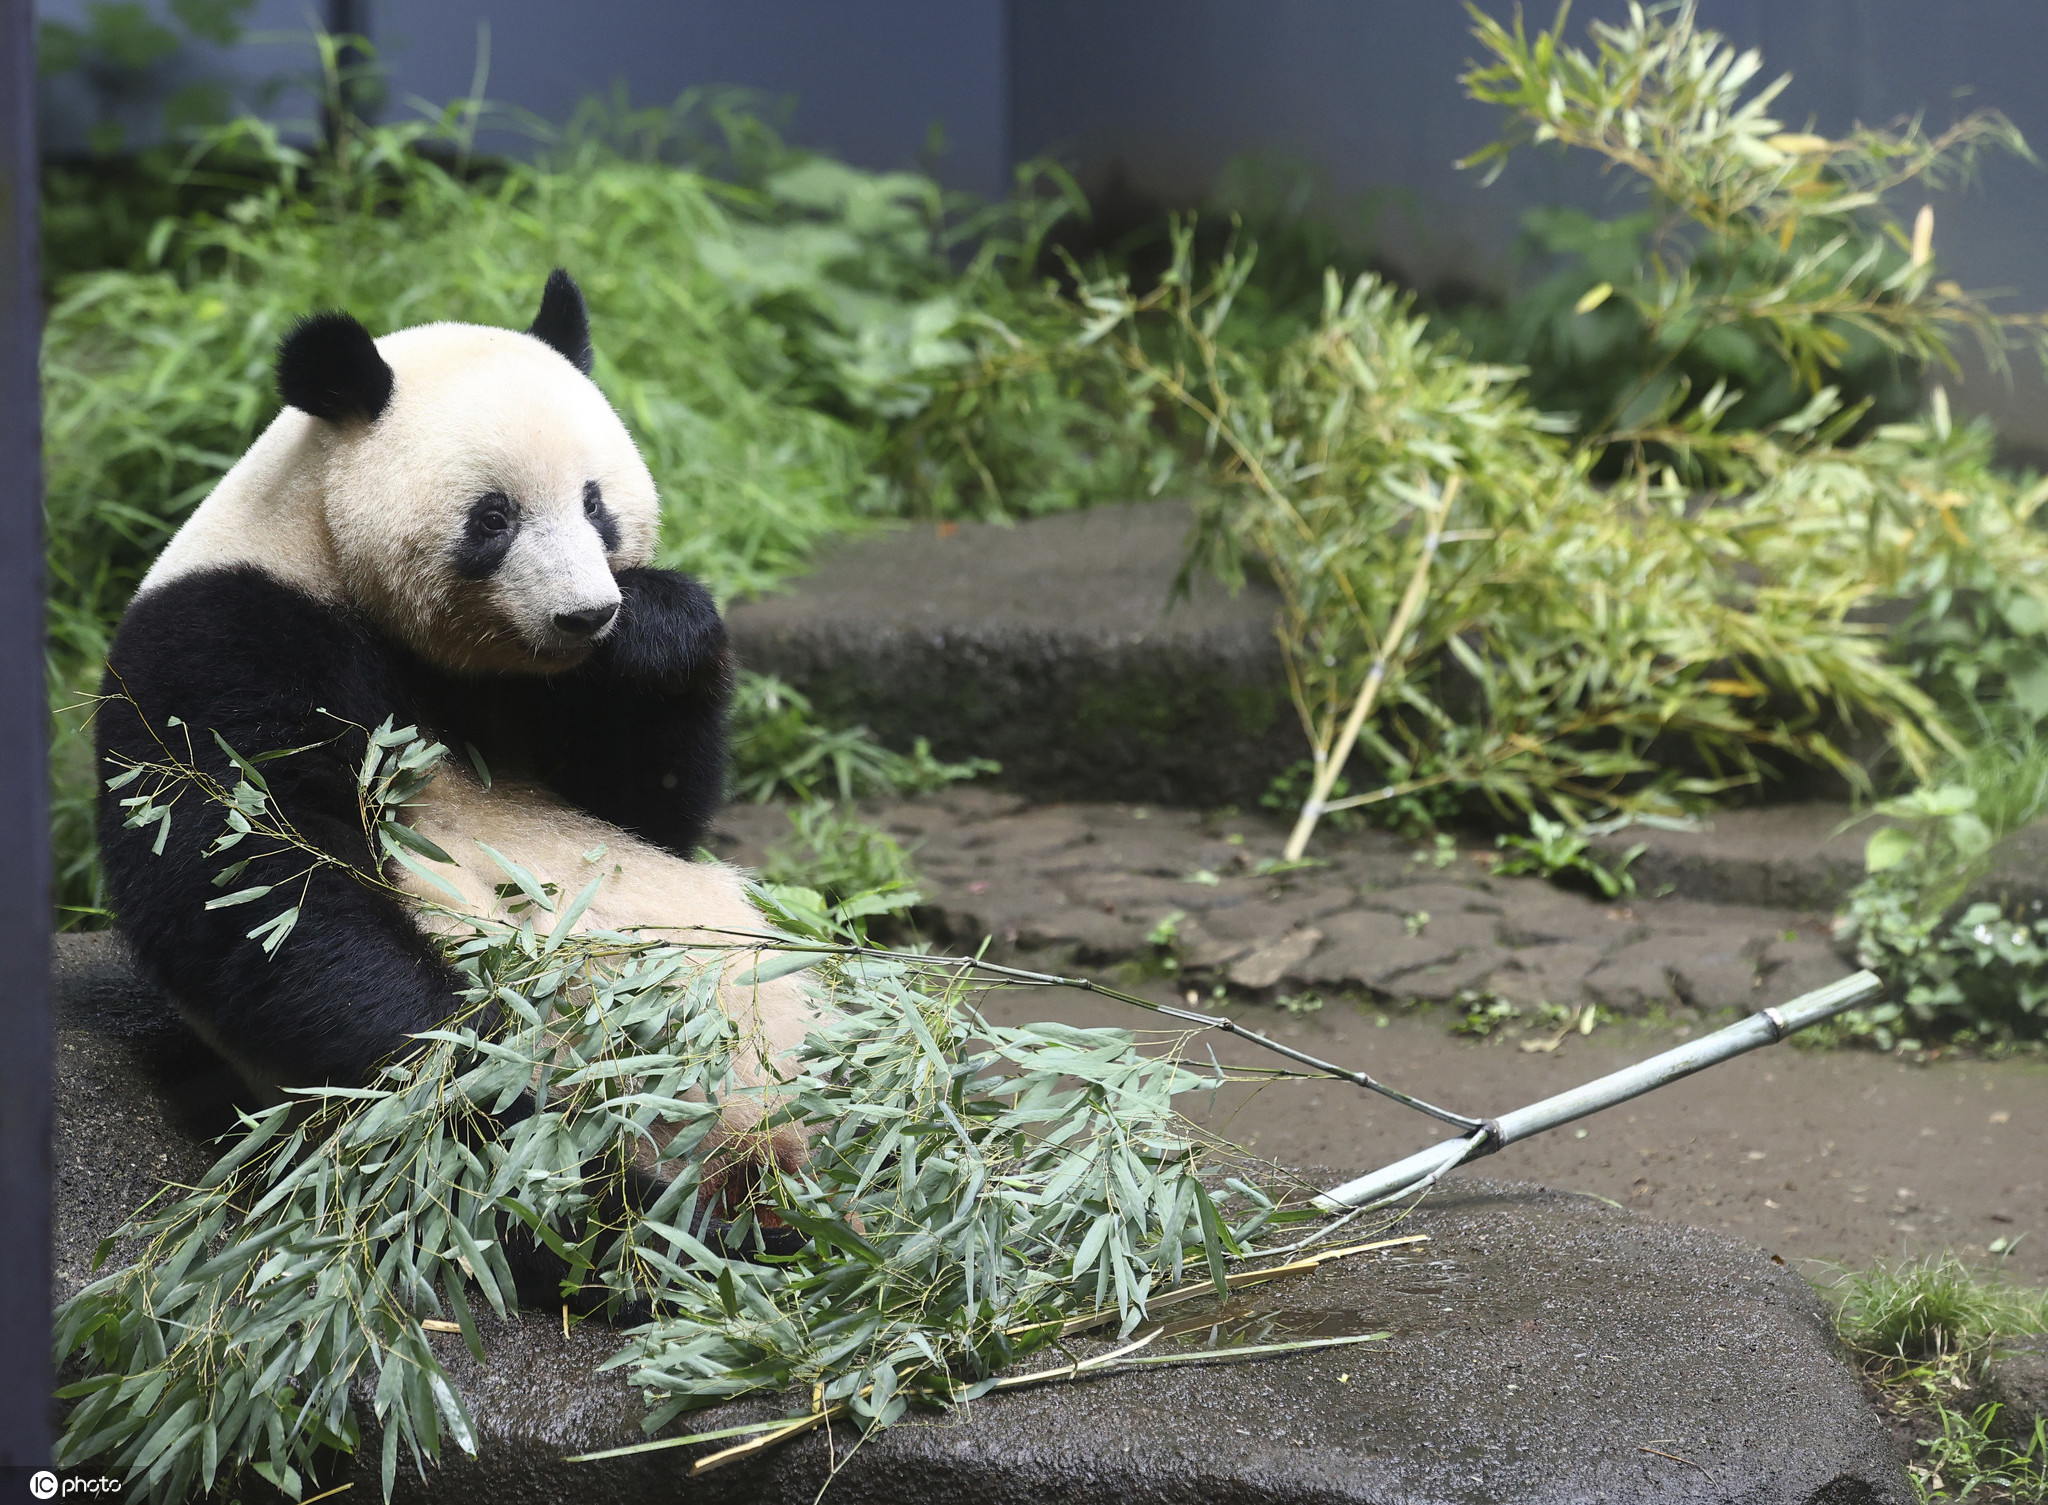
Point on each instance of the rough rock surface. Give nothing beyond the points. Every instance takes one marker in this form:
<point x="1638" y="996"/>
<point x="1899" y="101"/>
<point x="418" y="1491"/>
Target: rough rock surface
<point x="1055" y="647"/>
<point x="1792" y="856"/>
<point x="136" y="1094"/>
<point x="2016" y="1381"/>
<point x="2016" y="873"/>
<point x="1091" y="886"/>
<point x="1541" y="1347"/>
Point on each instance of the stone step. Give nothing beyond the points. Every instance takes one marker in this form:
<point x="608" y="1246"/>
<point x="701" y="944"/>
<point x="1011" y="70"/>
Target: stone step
<point x="1541" y="1347"/>
<point x="1058" y="647"/>
<point x="1805" y="855"/>
<point x="1054" y="646"/>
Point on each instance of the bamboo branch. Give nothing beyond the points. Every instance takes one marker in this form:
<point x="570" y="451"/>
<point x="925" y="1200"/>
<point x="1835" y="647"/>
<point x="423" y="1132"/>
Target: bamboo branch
<point x="1228" y="1026"/>
<point x="1330" y="763"/>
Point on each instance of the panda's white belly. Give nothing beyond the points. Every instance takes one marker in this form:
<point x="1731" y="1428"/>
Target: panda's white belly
<point x="644" y="888"/>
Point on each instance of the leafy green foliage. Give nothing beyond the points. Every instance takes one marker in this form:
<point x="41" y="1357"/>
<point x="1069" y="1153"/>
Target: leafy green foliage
<point x="1576" y="648"/>
<point x="1970" y="970"/>
<point x="833" y="851"/>
<point x="1966" y="1460"/>
<point x="1760" y="240"/>
<point x="1589" y="350"/>
<point x="778" y="748"/>
<point x="1937" y="1306"/>
<point x="1555" y="851"/>
<point x="970" y="1189"/>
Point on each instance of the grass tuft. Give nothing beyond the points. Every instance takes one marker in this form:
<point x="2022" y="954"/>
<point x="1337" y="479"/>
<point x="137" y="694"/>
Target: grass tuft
<point x="1934" y="1308"/>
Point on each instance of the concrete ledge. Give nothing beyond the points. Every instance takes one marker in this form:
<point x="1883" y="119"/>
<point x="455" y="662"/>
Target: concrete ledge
<point x="1544" y="1347"/>
<point x="1053" y="646"/>
<point x="1794" y="856"/>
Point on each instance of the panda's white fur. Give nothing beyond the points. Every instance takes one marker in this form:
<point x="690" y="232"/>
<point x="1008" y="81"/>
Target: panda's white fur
<point x="364" y="516"/>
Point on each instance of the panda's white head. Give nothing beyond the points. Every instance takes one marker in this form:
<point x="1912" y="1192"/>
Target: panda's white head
<point x="468" y="489"/>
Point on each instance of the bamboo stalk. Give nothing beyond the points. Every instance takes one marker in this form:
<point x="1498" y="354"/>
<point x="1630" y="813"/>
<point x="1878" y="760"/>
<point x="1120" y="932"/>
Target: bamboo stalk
<point x="1765" y="1027"/>
<point x="1331" y="764"/>
<point x="1235" y="1282"/>
<point x="763" y="1435"/>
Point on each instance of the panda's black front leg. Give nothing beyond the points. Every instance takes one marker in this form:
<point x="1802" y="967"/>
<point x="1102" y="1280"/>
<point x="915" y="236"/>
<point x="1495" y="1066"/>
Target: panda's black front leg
<point x="636" y="734"/>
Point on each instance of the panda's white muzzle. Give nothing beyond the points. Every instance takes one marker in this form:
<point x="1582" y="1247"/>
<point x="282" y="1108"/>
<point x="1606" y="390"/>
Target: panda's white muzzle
<point x="556" y="586"/>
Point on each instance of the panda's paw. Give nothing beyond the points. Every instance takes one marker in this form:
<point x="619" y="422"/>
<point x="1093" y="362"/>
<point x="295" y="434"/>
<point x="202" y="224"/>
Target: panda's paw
<point x="669" y="634"/>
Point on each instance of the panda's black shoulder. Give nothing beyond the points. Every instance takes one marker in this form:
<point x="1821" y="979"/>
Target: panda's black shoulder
<point x="239" y="640"/>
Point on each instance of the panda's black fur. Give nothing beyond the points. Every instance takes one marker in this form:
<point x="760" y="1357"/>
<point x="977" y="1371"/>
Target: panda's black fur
<point x="634" y="735"/>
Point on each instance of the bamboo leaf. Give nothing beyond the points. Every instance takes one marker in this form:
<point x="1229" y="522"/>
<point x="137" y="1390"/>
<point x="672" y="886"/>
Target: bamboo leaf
<point x="528" y="884"/>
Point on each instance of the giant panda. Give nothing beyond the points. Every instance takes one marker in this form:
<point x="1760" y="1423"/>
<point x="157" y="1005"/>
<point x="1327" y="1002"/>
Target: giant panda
<point x="448" y="525"/>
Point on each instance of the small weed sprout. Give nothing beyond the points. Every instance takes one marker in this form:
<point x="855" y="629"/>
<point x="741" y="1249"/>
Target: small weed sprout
<point x="1164" y="934"/>
<point x="839" y="855"/>
<point x="780" y="748"/>
<point x="1562" y="854"/>
<point x="1440" y="854"/>
<point x="1484" y="1013"/>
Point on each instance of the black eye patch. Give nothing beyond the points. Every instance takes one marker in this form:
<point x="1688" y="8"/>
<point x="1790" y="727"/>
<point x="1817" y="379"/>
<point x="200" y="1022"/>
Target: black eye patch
<point x="600" y="516"/>
<point x="487" y="535"/>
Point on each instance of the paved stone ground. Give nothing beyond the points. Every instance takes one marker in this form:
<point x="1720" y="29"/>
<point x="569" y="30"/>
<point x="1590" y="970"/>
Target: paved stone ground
<point x="1829" y="1158"/>
<point x="1097" y="886"/>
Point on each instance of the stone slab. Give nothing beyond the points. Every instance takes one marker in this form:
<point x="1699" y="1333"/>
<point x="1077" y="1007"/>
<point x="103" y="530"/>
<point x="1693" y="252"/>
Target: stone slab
<point x="1793" y="856"/>
<point x="2016" y="1381"/>
<point x="1542" y="1347"/>
<point x="137" y="1094"/>
<point x="1093" y="885"/>
<point x="1055" y="647"/>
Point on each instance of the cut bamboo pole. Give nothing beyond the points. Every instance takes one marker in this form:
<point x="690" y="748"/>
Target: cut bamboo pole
<point x="1766" y="1027"/>
<point x="1331" y="764"/>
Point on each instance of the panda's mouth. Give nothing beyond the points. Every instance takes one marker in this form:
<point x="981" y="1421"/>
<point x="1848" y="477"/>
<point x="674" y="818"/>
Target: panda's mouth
<point x="486" y="639"/>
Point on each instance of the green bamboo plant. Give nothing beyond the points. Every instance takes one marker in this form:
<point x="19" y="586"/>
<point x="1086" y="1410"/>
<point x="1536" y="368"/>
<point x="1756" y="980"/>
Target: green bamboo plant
<point x="1482" y="604"/>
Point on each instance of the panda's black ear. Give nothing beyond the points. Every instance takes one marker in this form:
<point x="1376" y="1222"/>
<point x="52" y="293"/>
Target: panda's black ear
<point x="329" y="366"/>
<point x="563" y="323"/>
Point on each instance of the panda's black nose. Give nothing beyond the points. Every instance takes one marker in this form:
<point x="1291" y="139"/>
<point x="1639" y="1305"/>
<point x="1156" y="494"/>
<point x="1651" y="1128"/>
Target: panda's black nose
<point x="587" y="622"/>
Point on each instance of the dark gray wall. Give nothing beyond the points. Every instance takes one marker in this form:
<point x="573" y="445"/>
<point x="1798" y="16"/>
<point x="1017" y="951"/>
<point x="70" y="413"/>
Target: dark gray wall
<point x="1166" y="92"/>
<point x="869" y="79"/>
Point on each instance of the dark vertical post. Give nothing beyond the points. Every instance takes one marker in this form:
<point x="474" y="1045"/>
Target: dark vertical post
<point x="24" y="811"/>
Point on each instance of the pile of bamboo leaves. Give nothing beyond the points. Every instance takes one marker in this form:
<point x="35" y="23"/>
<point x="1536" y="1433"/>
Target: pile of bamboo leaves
<point x="972" y="1190"/>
